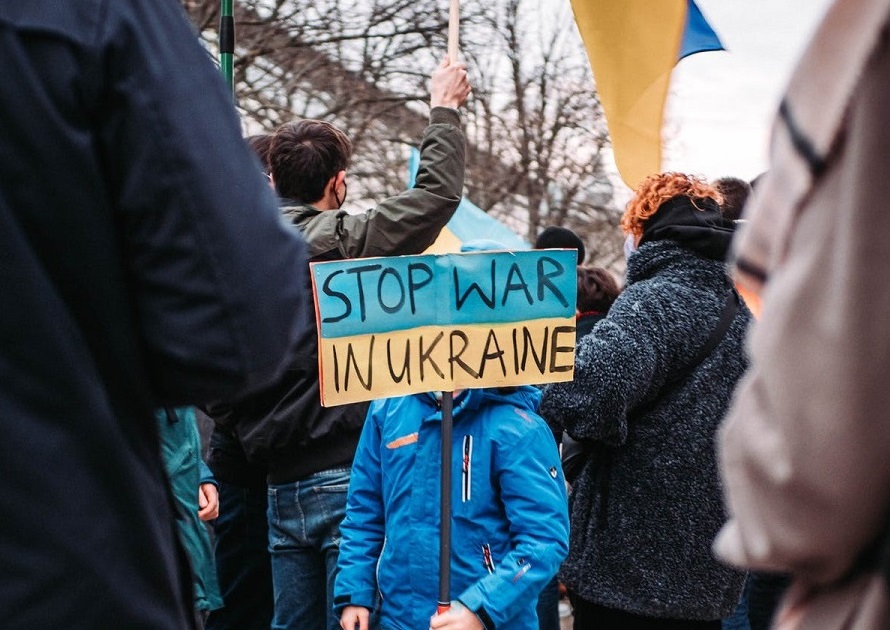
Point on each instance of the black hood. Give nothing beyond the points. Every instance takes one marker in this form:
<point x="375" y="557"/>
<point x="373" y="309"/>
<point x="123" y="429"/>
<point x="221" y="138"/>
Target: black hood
<point x="694" y="223"/>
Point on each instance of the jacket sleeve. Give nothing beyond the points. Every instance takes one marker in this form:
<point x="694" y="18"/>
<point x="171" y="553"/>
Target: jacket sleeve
<point x="207" y="475"/>
<point x="617" y="367"/>
<point x="410" y="222"/>
<point x="804" y="448"/>
<point x="533" y="492"/>
<point x="216" y="279"/>
<point x="363" y="528"/>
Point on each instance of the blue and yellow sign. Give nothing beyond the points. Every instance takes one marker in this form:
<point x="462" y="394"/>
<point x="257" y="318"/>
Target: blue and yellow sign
<point x="411" y="324"/>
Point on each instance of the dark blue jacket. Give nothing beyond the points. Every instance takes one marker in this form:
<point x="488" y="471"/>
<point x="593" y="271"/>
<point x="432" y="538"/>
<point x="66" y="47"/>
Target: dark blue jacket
<point x="142" y="263"/>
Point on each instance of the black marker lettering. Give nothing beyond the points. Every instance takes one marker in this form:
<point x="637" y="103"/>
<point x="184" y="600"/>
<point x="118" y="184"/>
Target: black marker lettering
<point x="544" y="279"/>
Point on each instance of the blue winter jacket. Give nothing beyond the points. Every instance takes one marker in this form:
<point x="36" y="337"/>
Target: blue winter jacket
<point x="509" y="515"/>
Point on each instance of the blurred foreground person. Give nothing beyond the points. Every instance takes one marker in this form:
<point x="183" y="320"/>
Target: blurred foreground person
<point x="652" y="381"/>
<point x="142" y="264"/>
<point x="804" y="449"/>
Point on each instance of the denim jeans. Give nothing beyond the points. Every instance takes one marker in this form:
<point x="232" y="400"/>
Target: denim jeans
<point x="304" y="540"/>
<point x="241" y="548"/>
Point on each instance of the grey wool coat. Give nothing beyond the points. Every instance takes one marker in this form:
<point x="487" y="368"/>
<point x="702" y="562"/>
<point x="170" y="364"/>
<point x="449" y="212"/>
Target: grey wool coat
<point x="648" y="503"/>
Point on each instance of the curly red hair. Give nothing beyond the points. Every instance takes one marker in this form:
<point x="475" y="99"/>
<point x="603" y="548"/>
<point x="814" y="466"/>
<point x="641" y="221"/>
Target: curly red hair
<point x="655" y="190"/>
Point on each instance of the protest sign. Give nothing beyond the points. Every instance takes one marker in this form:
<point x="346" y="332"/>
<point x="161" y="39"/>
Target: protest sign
<point x="410" y="324"/>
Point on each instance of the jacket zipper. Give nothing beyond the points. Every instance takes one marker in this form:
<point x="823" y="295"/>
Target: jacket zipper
<point x="486" y="558"/>
<point x="467" y="470"/>
<point x="377" y="569"/>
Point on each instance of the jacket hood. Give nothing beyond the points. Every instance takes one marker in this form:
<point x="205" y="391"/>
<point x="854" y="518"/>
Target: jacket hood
<point x="694" y="223"/>
<point x="525" y="397"/>
<point x="291" y="208"/>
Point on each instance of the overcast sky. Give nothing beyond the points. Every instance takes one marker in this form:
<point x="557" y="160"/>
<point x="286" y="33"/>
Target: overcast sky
<point x="722" y="103"/>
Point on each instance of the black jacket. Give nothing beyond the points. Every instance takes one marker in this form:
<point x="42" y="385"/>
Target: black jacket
<point x="142" y="263"/>
<point x="284" y="427"/>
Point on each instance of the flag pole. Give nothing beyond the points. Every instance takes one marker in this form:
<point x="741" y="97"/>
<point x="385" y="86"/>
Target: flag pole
<point x="453" y="29"/>
<point x="445" y="505"/>
<point x="227" y="43"/>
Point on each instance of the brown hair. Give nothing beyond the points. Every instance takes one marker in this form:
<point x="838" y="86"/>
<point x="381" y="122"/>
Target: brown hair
<point x="597" y="289"/>
<point x="260" y="144"/>
<point x="655" y="190"/>
<point x="305" y="155"/>
<point x="735" y="193"/>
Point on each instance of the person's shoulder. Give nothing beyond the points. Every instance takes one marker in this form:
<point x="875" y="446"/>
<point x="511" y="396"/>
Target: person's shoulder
<point x="74" y="21"/>
<point x="510" y="421"/>
<point x="387" y="409"/>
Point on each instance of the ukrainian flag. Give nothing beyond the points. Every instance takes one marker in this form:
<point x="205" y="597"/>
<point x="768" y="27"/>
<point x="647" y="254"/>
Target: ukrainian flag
<point x="470" y="222"/>
<point x="633" y="45"/>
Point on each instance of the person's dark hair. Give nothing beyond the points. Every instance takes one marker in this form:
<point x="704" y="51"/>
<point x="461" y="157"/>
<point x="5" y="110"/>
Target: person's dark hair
<point x="597" y="289"/>
<point x="735" y="193"/>
<point x="260" y="144"/>
<point x="304" y="156"/>
<point x="555" y="237"/>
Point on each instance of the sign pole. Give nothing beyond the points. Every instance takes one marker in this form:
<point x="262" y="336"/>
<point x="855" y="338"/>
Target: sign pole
<point x="445" y="505"/>
<point x="453" y="30"/>
<point x="444" y="603"/>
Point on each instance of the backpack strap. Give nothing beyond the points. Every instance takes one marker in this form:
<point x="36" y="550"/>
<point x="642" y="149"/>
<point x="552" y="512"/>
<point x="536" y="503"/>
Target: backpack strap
<point x="730" y="309"/>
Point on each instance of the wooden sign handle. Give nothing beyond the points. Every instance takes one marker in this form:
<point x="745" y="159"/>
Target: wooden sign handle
<point x="453" y="30"/>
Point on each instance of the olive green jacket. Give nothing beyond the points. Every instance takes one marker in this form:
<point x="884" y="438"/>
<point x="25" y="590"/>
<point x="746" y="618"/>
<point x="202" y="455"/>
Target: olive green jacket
<point x="407" y="223"/>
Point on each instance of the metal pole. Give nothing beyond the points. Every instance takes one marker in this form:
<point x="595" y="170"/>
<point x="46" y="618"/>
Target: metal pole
<point x="227" y="43"/>
<point x="445" y="505"/>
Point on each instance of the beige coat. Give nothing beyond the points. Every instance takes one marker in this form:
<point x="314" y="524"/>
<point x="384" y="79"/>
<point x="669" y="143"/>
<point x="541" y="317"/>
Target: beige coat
<point x="805" y="450"/>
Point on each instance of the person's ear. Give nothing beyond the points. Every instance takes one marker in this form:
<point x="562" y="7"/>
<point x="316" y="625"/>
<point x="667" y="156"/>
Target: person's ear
<point x="339" y="179"/>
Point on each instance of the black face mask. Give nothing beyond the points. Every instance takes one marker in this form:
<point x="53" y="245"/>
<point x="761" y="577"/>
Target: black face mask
<point x="339" y="201"/>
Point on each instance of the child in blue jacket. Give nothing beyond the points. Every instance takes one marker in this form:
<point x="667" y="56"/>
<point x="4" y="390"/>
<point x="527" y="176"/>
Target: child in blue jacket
<point x="509" y="515"/>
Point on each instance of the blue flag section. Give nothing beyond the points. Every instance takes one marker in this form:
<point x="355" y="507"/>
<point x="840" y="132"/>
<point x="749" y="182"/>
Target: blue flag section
<point x="470" y="222"/>
<point x="698" y="36"/>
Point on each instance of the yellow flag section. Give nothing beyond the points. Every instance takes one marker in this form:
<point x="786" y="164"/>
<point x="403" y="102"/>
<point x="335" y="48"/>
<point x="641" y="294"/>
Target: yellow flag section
<point x="412" y="324"/>
<point x="632" y="45"/>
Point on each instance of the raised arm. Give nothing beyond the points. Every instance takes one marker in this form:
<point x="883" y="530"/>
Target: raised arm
<point x="409" y="222"/>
